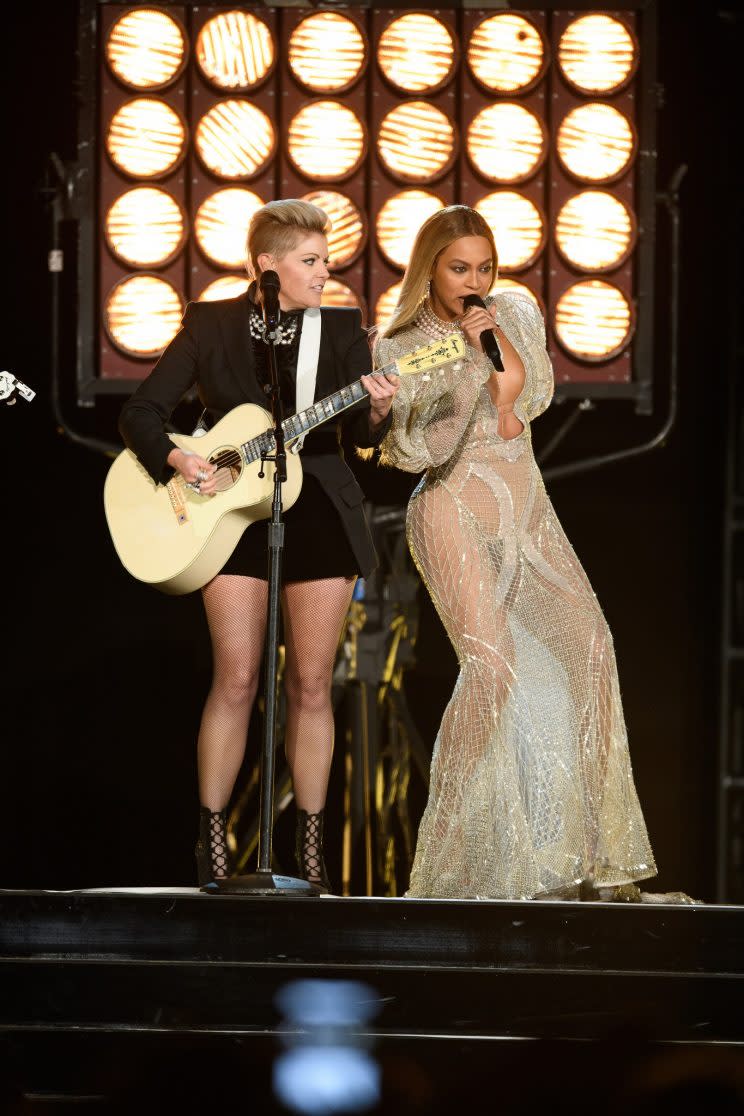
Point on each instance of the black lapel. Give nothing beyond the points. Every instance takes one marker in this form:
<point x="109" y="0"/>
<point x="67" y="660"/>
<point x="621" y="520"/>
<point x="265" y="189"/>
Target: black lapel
<point x="327" y="380"/>
<point x="237" y="339"/>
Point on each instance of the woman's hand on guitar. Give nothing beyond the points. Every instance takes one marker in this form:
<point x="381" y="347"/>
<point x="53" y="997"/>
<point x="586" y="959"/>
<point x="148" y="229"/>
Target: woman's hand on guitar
<point x="197" y="472"/>
<point x="381" y="391"/>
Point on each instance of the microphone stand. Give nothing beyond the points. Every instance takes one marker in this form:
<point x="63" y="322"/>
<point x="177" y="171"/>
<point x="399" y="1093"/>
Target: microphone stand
<point x="264" y="881"/>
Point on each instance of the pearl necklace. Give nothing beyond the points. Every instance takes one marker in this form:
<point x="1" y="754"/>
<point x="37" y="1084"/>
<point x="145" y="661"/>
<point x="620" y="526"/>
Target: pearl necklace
<point x="435" y="326"/>
<point x="284" y="333"/>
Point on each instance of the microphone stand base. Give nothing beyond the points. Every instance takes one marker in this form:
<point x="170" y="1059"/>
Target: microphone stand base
<point x="265" y="883"/>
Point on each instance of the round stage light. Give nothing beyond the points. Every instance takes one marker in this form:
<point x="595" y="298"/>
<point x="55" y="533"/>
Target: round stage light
<point x="594" y="231"/>
<point x="145" y="227"/>
<point x="235" y="50"/>
<point x="227" y="286"/>
<point x="506" y="142"/>
<point x="327" y="52"/>
<point x="146" y="49"/>
<point x="399" y="220"/>
<point x="146" y="138"/>
<point x="519" y="288"/>
<point x="142" y="314"/>
<point x="595" y="142"/>
<point x="518" y="228"/>
<point x="235" y="139"/>
<point x="417" y="53"/>
<point x="326" y="140"/>
<point x="336" y="293"/>
<point x="346" y="238"/>
<point x="416" y="141"/>
<point x="597" y="54"/>
<point x="221" y="225"/>
<point x="387" y="303"/>
<point x="506" y="53"/>
<point x="593" y="320"/>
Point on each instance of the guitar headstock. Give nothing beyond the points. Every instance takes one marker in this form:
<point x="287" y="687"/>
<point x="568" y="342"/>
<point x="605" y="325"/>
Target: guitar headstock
<point x="431" y="356"/>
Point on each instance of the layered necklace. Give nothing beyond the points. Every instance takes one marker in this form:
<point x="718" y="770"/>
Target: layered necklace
<point x="435" y="326"/>
<point x="285" y="332"/>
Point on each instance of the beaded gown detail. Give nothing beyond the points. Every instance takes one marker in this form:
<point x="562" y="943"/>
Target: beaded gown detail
<point x="531" y="787"/>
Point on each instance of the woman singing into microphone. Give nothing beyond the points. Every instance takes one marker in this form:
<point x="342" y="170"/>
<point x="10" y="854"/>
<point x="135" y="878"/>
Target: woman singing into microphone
<point x="531" y="786"/>
<point x="221" y="350"/>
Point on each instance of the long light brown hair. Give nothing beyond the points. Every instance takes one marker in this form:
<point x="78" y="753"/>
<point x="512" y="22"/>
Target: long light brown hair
<point x="436" y="233"/>
<point x="279" y="226"/>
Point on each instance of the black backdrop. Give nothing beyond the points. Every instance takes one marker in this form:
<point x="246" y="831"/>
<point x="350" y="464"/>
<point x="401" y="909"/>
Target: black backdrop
<point x="103" y="679"/>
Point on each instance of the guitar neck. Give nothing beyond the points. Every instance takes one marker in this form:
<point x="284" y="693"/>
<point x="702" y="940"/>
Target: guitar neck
<point x="315" y="415"/>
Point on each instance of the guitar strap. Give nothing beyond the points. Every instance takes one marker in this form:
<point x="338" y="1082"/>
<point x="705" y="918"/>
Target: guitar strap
<point x="307" y="365"/>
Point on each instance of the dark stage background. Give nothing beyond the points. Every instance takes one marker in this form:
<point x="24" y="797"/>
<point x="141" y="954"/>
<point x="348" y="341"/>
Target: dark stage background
<point x="104" y="679"/>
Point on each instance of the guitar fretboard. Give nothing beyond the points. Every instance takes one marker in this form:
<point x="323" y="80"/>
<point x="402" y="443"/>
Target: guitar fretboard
<point x="304" y="421"/>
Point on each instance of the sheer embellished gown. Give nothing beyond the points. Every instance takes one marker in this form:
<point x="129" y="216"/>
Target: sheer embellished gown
<point x="531" y="788"/>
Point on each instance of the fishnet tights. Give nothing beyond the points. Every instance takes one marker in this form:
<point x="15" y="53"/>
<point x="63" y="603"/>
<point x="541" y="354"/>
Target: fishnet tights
<point x="314" y="613"/>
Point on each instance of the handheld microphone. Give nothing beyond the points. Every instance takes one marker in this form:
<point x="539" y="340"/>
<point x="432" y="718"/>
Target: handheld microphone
<point x="487" y="337"/>
<point x="269" y="286"/>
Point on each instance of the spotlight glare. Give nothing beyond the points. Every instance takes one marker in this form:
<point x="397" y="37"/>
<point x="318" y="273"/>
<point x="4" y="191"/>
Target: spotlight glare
<point x="327" y="52"/>
<point x="506" y="142"/>
<point x="235" y="139"/>
<point x="336" y="293"/>
<point x="326" y="141"/>
<point x="416" y="53"/>
<point x="416" y="141"/>
<point x="506" y="53"/>
<point x="387" y="303"/>
<point x="146" y="49"/>
<point x="227" y="286"/>
<point x="399" y="220"/>
<point x="593" y="320"/>
<point x="594" y="231"/>
<point x="145" y="227"/>
<point x="518" y="228"/>
<point x="221" y="225"/>
<point x="142" y="315"/>
<point x="235" y="50"/>
<point x="146" y="138"/>
<point x="346" y="238"/>
<point x="595" y="142"/>
<point x="597" y="54"/>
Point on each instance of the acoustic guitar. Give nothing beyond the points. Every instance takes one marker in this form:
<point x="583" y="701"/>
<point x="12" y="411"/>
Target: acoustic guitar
<point x="169" y="536"/>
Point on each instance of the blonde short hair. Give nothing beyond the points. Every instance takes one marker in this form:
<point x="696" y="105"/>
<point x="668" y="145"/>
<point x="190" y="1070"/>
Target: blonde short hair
<point x="436" y="234"/>
<point x="279" y="226"/>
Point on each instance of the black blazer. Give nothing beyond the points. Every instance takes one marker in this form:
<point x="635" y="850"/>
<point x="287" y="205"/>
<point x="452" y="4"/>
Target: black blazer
<point x="213" y="350"/>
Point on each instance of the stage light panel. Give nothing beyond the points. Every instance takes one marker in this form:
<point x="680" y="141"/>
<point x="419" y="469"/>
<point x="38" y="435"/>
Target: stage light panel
<point x="399" y="220"/>
<point x="506" y="142"/>
<point x="506" y="53"/>
<point x="597" y="54"/>
<point x="595" y="142"/>
<point x="337" y="293"/>
<point x="327" y="52"/>
<point x="518" y="228"/>
<point x="594" y="231"/>
<point x="221" y="225"/>
<point x="235" y="51"/>
<point x="387" y="303"/>
<point x="416" y="53"/>
<point x="518" y="288"/>
<point x="146" y="138"/>
<point x="146" y="49"/>
<point x="347" y="236"/>
<point x="593" y="320"/>
<point x="416" y="141"/>
<point x="142" y="314"/>
<point x="235" y="139"/>
<point x="326" y="141"/>
<point x="145" y="227"/>
<point x="227" y="286"/>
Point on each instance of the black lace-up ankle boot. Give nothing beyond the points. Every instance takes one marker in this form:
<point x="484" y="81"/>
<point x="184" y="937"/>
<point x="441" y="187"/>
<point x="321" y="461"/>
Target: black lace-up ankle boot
<point x="212" y="853"/>
<point x="309" y="849"/>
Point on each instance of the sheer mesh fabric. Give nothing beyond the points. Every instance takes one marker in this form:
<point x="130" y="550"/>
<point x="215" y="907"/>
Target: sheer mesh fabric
<point x="531" y="789"/>
<point x="314" y="612"/>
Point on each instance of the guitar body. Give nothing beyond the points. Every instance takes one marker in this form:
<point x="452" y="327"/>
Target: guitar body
<point x="169" y="536"/>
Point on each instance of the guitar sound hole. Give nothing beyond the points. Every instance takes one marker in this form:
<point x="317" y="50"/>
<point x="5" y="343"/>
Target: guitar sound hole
<point x="229" y="467"/>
